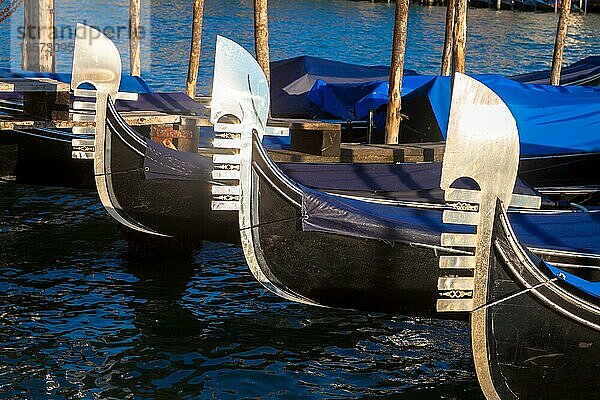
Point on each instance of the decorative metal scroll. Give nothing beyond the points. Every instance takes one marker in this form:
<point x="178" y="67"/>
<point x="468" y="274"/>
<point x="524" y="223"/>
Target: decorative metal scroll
<point x="239" y="107"/>
<point x="96" y="62"/>
<point x="482" y="144"/>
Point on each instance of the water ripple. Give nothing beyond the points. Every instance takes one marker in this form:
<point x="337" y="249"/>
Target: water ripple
<point x="80" y="320"/>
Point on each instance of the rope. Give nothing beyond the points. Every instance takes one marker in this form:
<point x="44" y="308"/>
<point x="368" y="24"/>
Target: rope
<point x="9" y="9"/>
<point x="512" y="296"/>
<point x="273" y="222"/>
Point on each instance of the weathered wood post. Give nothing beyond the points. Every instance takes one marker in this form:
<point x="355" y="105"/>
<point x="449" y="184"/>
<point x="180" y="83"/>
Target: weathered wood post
<point x="261" y="36"/>
<point x="38" y="54"/>
<point x="38" y="36"/>
<point x="135" y="65"/>
<point x="196" y="45"/>
<point x="393" y="117"/>
<point x="460" y="37"/>
<point x="559" y="43"/>
<point x="449" y="38"/>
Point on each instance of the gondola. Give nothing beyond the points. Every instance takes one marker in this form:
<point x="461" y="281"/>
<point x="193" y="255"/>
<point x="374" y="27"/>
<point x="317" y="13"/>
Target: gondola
<point x="44" y="156"/>
<point x="584" y="72"/>
<point x="161" y="192"/>
<point x="325" y="249"/>
<point x="534" y="327"/>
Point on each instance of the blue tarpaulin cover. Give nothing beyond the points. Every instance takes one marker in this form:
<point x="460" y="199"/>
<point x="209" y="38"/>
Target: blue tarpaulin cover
<point x="551" y="119"/>
<point x="292" y="79"/>
<point x="586" y="72"/>
<point x="592" y="288"/>
<point x="566" y="231"/>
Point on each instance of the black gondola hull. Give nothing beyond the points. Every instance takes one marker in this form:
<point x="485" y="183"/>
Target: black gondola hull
<point x="175" y="205"/>
<point x="43" y="158"/>
<point x="542" y="343"/>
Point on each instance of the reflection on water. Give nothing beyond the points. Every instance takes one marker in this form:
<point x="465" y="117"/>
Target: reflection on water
<point x="78" y="320"/>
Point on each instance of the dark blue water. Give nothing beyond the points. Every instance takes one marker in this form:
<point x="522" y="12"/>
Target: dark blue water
<point x="78" y="319"/>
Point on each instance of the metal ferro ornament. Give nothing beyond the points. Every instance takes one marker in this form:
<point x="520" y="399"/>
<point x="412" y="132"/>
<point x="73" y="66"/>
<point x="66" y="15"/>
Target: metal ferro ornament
<point x="240" y="90"/>
<point x="96" y="62"/>
<point x="482" y="144"/>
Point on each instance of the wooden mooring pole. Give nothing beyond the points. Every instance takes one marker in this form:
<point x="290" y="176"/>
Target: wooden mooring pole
<point x="196" y="45"/>
<point x="38" y="36"/>
<point x="559" y="43"/>
<point x="135" y="64"/>
<point x="449" y="38"/>
<point x="393" y="117"/>
<point x="261" y="36"/>
<point x="460" y="37"/>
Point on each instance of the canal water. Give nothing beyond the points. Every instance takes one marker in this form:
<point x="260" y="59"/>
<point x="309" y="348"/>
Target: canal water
<point x="78" y="319"/>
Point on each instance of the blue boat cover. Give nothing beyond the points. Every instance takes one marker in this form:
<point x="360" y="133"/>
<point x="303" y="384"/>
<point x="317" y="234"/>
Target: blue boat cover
<point x="292" y="79"/>
<point x="592" y="288"/>
<point x="565" y="230"/>
<point x="551" y="119"/>
<point x="583" y="72"/>
<point x="132" y="84"/>
<point x="404" y="181"/>
<point x="171" y="103"/>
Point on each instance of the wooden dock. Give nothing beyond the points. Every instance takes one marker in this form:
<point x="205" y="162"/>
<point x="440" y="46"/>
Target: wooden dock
<point x="46" y="105"/>
<point x="369" y="153"/>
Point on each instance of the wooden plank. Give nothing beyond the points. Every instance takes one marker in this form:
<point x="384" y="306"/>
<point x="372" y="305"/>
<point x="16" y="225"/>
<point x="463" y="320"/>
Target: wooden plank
<point x="369" y="153"/>
<point x="24" y="124"/>
<point x="319" y="142"/>
<point x="33" y="85"/>
<point x="42" y="105"/>
<point x="132" y="118"/>
<point x="306" y="124"/>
